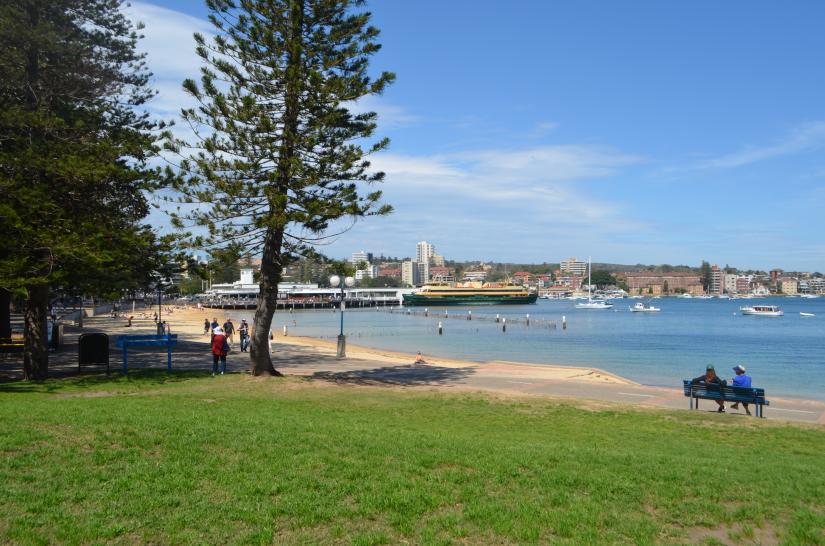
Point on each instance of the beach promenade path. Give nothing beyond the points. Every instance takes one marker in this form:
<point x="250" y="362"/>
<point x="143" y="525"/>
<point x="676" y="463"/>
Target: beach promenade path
<point x="316" y="360"/>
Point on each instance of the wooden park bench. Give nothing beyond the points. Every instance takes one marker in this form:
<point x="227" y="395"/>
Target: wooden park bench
<point x="746" y="395"/>
<point x="145" y="341"/>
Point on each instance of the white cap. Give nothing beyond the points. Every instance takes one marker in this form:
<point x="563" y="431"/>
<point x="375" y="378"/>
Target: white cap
<point x="739" y="368"/>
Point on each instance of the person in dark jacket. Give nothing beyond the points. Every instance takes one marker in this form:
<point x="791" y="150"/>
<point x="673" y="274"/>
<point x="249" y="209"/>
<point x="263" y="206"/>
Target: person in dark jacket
<point x="229" y="330"/>
<point x="243" y="332"/>
<point x="219" y="349"/>
<point x="711" y="379"/>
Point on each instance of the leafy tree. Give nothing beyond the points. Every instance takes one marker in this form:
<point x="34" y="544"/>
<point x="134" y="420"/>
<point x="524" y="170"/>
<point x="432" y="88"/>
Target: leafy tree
<point x="381" y="282"/>
<point x="73" y="151"/>
<point x="705" y="273"/>
<point x="280" y="155"/>
<point x="602" y="278"/>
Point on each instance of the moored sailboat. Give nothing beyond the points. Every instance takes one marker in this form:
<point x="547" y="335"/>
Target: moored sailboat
<point x="591" y="303"/>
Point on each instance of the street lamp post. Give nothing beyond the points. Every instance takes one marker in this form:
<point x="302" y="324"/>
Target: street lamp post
<point x="160" y="307"/>
<point x="335" y="281"/>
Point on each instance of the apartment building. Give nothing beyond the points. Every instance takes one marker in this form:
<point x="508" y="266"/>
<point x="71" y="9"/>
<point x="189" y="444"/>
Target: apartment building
<point x="572" y="266"/>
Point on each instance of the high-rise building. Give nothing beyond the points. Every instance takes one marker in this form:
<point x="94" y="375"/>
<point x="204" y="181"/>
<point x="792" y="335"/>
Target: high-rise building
<point x="423" y="272"/>
<point x="423" y="252"/>
<point x="716" y="281"/>
<point x="410" y="273"/>
<point x="358" y="257"/>
<point x="437" y="260"/>
<point x="572" y="266"/>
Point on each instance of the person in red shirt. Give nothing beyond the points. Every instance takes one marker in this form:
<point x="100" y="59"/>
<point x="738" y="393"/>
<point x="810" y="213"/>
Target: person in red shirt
<point x="219" y="349"/>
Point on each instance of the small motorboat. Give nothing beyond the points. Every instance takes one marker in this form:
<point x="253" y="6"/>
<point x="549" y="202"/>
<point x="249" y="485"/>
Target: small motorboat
<point x="642" y="308"/>
<point x="801" y="314"/>
<point x="762" y="310"/>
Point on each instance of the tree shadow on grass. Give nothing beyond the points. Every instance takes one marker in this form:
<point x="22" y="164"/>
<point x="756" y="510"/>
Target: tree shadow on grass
<point x="137" y="377"/>
<point x="404" y="375"/>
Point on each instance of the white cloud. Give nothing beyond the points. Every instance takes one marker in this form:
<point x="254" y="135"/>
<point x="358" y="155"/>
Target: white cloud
<point x="389" y="115"/>
<point x="805" y="137"/>
<point x="168" y="38"/>
<point x="542" y="178"/>
<point x="543" y="128"/>
<point x="483" y="196"/>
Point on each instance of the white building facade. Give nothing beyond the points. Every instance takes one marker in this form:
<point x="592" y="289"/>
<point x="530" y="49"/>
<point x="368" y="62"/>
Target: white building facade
<point x="423" y="252"/>
<point x="573" y="266"/>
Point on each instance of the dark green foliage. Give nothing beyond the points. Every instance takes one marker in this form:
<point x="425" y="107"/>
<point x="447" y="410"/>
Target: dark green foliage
<point x="280" y="155"/>
<point x="73" y="151"/>
<point x="602" y="278"/>
<point x="380" y="282"/>
<point x="705" y="273"/>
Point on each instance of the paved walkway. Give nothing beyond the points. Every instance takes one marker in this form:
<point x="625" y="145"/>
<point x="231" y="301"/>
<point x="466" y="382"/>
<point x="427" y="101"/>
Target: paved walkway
<point x="319" y="363"/>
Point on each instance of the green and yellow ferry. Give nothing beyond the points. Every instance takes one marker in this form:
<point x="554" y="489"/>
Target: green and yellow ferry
<point x="470" y="293"/>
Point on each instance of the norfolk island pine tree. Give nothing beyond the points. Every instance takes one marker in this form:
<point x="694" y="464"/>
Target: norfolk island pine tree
<point x="278" y="154"/>
<point x="74" y="150"/>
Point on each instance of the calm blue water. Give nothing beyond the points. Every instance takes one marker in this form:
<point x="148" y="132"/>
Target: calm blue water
<point x="784" y="355"/>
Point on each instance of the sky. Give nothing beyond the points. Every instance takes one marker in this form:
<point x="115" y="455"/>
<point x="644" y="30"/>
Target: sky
<point x="634" y="132"/>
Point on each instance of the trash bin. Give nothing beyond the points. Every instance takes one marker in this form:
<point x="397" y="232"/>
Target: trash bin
<point x="93" y="349"/>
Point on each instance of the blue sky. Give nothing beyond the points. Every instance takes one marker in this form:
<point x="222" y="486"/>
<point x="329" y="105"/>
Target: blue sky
<point x="640" y="132"/>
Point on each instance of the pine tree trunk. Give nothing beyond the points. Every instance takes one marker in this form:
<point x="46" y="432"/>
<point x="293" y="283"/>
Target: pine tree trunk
<point x="35" y="349"/>
<point x="5" y="313"/>
<point x="259" y="358"/>
<point x="271" y="263"/>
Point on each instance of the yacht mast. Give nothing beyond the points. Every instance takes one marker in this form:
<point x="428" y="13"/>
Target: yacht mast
<point x="589" y="270"/>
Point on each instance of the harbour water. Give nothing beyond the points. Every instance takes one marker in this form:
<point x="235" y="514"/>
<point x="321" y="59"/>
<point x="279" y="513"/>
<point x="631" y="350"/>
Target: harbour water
<point x="785" y="355"/>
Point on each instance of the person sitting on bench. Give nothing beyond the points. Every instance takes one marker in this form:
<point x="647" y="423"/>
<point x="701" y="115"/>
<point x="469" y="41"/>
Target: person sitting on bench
<point x="710" y="378"/>
<point x="741" y="380"/>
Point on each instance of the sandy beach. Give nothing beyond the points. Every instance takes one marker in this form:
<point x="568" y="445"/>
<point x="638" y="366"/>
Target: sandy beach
<point x="189" y="321"/>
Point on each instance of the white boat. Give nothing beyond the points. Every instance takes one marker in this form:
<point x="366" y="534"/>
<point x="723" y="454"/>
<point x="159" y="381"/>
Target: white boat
<point x="685" y="296"/>
<point x="809" y="296"/>
<point x="762" y="310"/>
<point x="594" y="304"/>
<point x="642" y="308"/>
<point x="591" y="303"/>
<point x="801" y="314"/>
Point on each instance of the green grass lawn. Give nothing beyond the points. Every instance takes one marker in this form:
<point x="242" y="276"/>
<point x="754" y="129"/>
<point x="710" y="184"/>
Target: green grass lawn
<point x="192" y="459"/>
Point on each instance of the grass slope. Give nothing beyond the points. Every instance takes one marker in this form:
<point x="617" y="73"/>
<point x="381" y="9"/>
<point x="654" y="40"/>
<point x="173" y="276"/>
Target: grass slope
<point x="189" y="459"/>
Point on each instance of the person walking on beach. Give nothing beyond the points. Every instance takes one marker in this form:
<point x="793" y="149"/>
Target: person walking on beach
<point x="710" y="378"/>
<point x="741" y="380"/>
<point x="206" y="326"/>
<point x="229" y="330"/>
<point x="243" y="332"/>
<point x="220" y="348"/>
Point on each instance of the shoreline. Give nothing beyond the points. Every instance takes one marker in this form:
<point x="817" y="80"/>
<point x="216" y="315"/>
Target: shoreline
<point x="559" y="371"/>
<point x="304" y="356"/>
<point x="190" y="321"/>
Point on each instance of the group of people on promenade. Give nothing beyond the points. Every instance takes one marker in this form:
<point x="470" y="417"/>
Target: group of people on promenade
<point x="222" y="338"/>
<point x="741" y="379"/>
